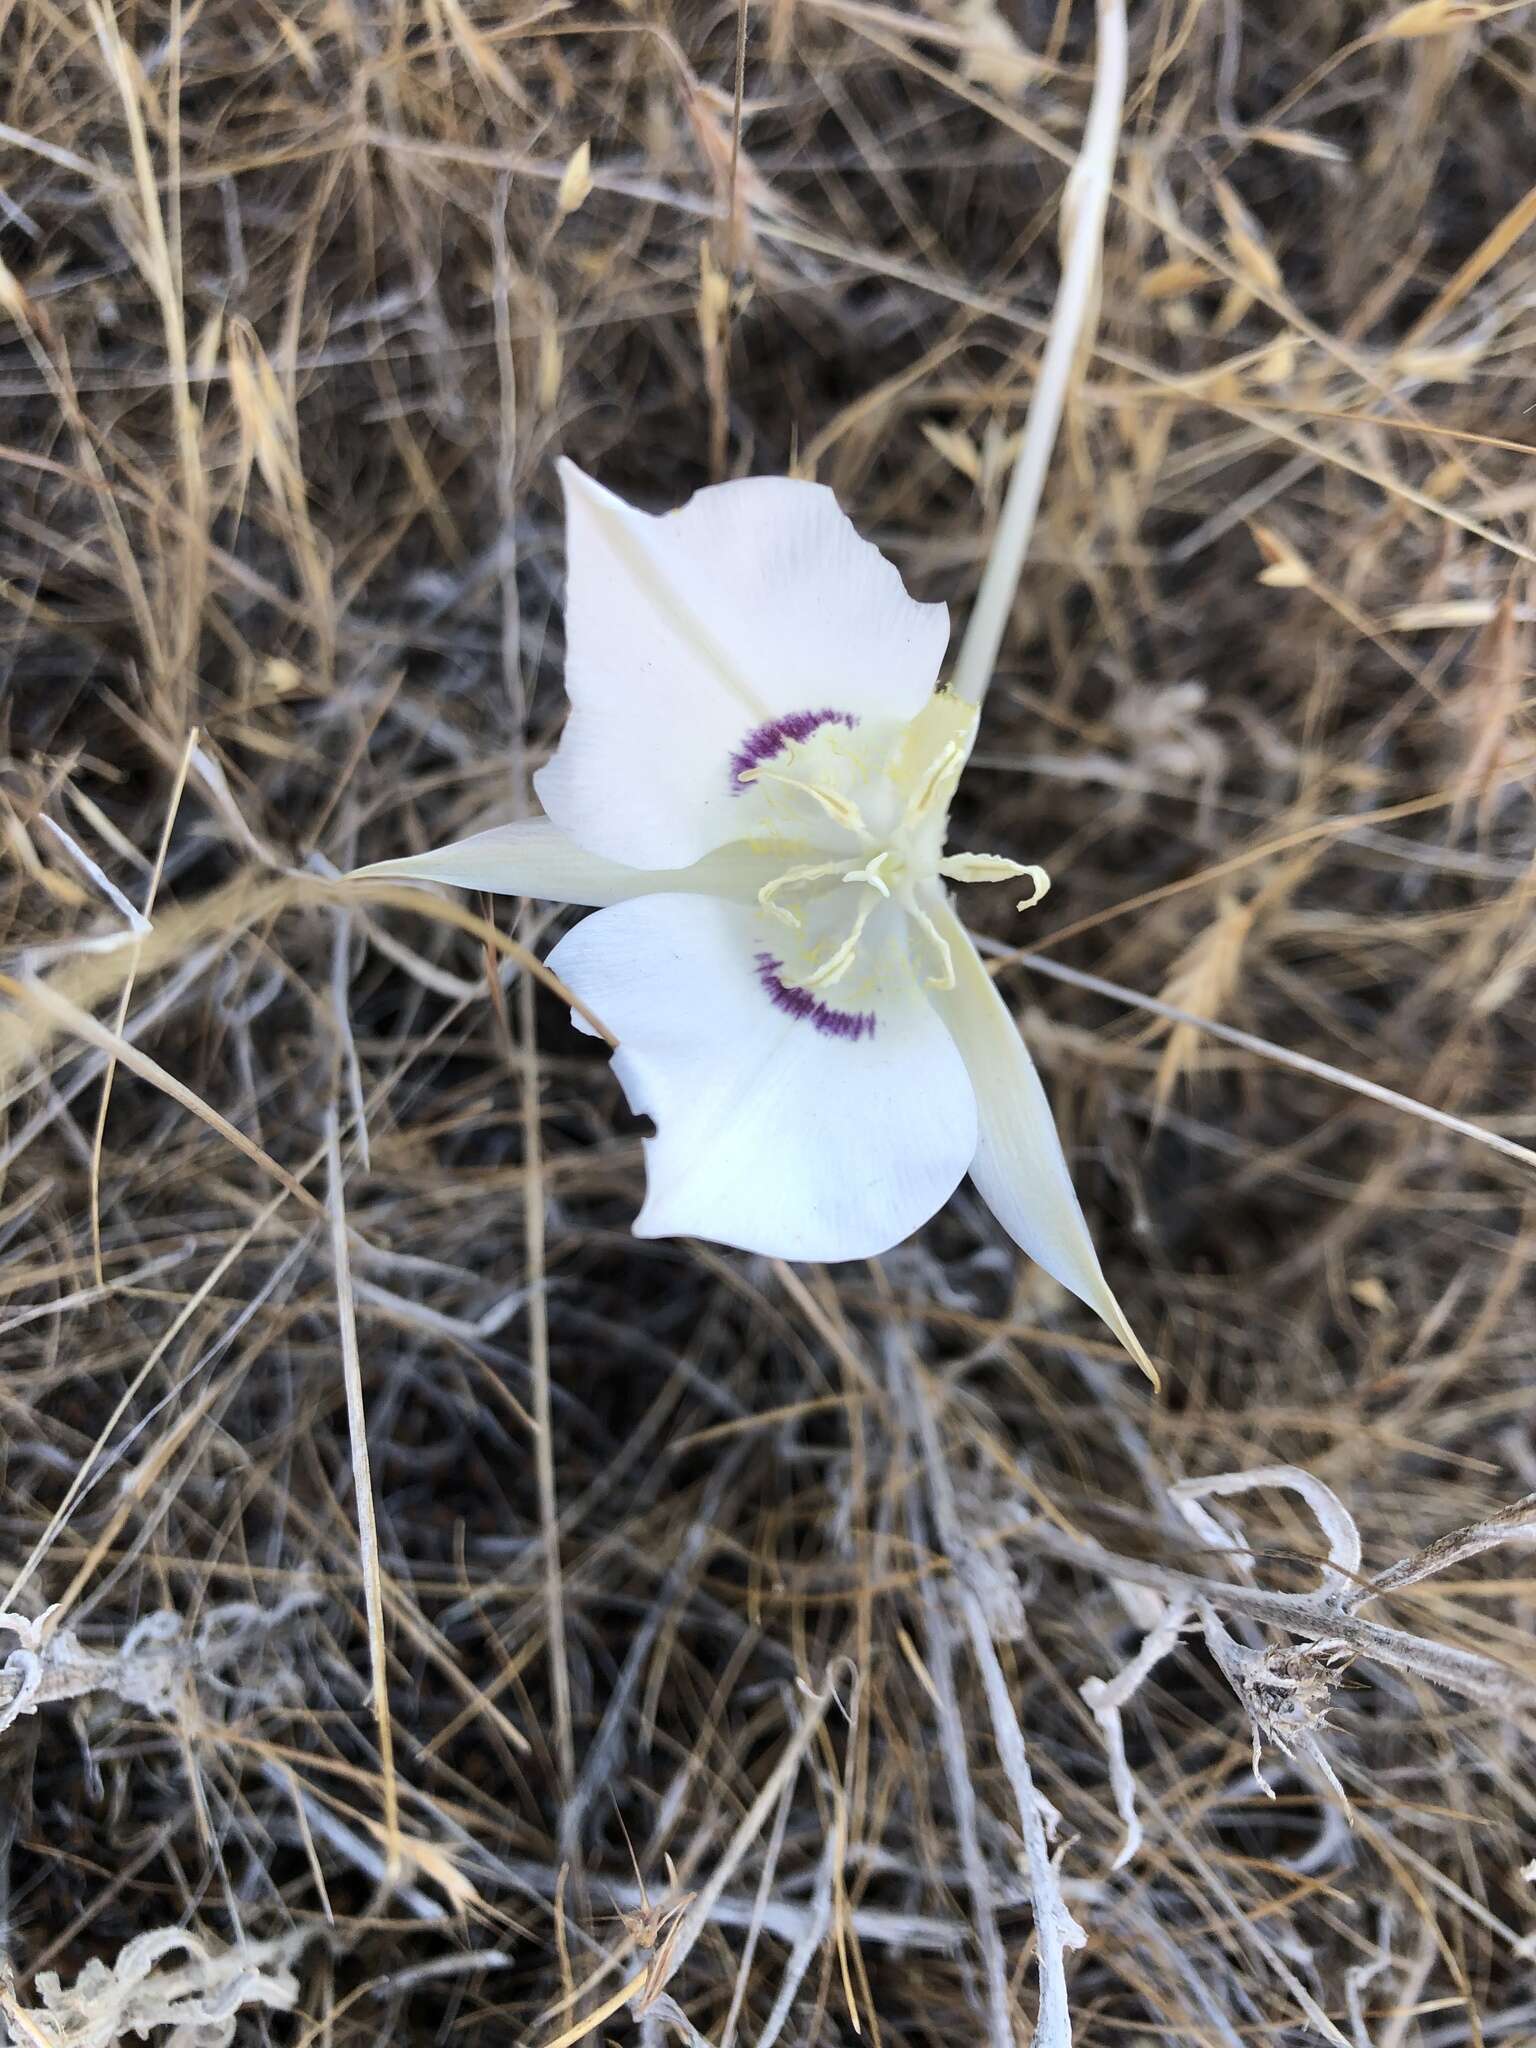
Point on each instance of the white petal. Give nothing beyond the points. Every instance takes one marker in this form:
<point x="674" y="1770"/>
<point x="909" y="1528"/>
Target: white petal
<point x="831" y="1134"/>
<point x="1019" y="1165"/>
<point x="689" y="632"/>
<point x="533" y="857"/>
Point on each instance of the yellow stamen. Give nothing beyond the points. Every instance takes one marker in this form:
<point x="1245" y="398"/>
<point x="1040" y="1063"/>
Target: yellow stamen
<point x="937" y="783"/>
<point x="932" y="753"/>
<point x="1041" y="881"/>
<point x="994" y="867"/>
<point x="838" y="965"/>
<point x="836" y="806"/>
<point x="794" y="878"/>
<point x="945" y="978"/>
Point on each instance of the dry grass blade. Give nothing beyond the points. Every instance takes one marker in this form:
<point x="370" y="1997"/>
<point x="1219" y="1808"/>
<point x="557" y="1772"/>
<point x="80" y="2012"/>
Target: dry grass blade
<point x="126" y="997"/>
<point x="64" y="1015"/>
<point x="1283" y="1056"/>
<point x="362" y="1486"/>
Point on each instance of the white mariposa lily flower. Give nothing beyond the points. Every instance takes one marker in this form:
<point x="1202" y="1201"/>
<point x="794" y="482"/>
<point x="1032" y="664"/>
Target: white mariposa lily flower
<point x="753" y="790"/>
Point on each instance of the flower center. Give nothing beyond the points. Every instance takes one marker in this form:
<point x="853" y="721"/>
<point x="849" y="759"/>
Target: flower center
<point x="876" y="810"/>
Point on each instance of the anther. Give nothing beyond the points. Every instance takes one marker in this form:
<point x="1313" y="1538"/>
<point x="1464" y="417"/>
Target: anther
<point x="993" y="867"/>
<point x="945" y="978"/>
<point x="793" y="878"/>
<point x="930" y="790"/>
<point x="1040" y="882"/>
<point x="836" y="806"/>
<point x="837" y="966"/>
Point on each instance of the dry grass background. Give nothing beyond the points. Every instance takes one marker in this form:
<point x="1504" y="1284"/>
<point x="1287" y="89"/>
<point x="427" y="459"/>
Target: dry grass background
<point x="741" y="1578"/>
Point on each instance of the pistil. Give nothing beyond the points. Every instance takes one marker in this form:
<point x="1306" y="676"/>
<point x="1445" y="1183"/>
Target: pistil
<point x="870" y="876"/>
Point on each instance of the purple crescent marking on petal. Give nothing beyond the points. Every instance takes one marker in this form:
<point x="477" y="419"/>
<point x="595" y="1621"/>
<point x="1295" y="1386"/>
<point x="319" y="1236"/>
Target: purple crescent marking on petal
<point x="764" y="741"/>
<point x="799" y="1002"/>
